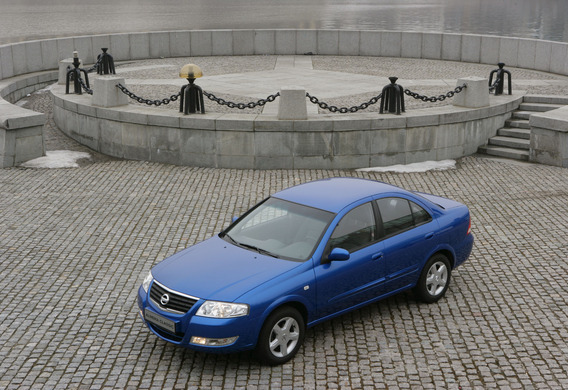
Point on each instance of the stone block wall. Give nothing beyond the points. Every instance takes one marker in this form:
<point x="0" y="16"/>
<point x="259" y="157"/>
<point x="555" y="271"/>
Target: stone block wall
<point x="33" y="56"/>
<point x="549" y="137"/>
<point x="252" y="141"/>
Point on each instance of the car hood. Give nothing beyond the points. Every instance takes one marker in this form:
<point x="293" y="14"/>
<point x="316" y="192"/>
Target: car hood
<point x="218" y="270"/>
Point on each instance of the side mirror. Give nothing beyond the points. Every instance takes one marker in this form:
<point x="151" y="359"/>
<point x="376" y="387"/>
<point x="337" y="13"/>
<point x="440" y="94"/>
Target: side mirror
<point x="234" y="219"/>
<point x="338" y="254"/>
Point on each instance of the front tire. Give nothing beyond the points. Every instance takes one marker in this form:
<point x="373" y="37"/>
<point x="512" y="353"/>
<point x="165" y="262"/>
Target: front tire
<point x="281" y="336"/>
<point x="434" y="280"/>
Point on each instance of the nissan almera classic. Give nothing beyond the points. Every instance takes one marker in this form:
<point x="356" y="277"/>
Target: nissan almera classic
<point x="300" y="257"/>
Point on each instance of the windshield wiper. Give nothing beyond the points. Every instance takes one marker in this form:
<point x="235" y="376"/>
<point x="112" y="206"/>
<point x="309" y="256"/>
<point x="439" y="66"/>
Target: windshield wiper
<point x="259" y="250"/>
<point x="230" y="238"/>
<point x="254" y="248"/>
<point x="267" y="253"/>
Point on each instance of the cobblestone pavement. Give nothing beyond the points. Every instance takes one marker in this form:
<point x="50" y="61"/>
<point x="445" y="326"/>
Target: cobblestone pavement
<point x="76" y="243"/>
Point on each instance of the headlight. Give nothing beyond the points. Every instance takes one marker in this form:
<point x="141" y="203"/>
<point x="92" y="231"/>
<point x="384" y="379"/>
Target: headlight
<point x="215" y="309"/>
<point x="147" y="281"/>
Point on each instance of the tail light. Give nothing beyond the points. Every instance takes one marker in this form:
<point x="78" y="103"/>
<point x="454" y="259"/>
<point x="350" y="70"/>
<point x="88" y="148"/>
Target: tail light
<point x="469" y="228"/>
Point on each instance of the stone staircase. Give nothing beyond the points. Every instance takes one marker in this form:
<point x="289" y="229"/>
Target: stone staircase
<point x="513" y="140"/>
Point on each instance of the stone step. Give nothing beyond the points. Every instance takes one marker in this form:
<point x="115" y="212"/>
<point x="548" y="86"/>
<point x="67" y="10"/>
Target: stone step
<point x="498" y="151"/>
<point x="515" y="132"/>
<point x="539" y="107"/>
<point x="510" y="142"/>
<point x="549" y="99"/>
<point x="520" y="124"/>
<point x="522" y="115"/>
<point x="513" y="141"/>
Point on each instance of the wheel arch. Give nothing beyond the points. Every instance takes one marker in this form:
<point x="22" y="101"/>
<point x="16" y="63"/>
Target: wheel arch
<point x="448" y="254"/>
<point x="269" y="343"/>
<point x="295" y="304"/>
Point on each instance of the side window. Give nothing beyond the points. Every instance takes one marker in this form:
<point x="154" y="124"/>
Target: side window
<point x="355" y="230"/>
<point x="420" y="215"/>
<point x="396" y="215"/>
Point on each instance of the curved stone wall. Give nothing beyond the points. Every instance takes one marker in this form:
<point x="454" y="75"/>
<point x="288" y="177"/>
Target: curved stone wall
<point x="33" y="56"/>
<point x="24" y="58"/>
<point x="252" y="141"/>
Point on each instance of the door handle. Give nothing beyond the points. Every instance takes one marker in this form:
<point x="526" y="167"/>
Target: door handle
<point x="377" y="256"/>
<point x="429" y="235"/>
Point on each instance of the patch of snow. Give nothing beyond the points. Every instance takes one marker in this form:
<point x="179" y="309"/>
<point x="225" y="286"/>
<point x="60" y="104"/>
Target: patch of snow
<point x="57" y="159"/>
<point x="46" y="89"/>
<point x="415" y="167"/>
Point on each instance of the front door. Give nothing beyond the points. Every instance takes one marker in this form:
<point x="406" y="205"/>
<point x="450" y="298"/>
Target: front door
<point x="344" y="284"/>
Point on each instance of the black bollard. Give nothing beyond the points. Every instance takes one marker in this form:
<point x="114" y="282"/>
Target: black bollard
<point x="75" y="76"/>
<point x="105" y="63"/>
<point x="191" y="98"/>
<point x="191" y="95"/>
<point x="500" y="79"/>
<point x="392" y="98"/>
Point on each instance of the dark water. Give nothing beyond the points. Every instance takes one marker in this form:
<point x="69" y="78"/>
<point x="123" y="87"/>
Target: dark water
<point x="33" y="19"/>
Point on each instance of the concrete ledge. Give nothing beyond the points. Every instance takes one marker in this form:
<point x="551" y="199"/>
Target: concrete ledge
<point x="250" y="141"/>
<point x="549" y="137"/>
<point x="21" y="135"/>
<point x="21" y="130"/>
<point x="16" y="88"/>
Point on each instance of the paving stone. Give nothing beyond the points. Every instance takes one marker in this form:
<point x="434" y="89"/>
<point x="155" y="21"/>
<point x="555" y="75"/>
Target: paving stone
<point x="76" y="243"/>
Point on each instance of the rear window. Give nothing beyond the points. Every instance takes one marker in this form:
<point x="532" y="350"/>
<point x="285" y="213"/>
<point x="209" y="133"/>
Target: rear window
<point x="395" y="214"/>
<point x="399" y="214"/>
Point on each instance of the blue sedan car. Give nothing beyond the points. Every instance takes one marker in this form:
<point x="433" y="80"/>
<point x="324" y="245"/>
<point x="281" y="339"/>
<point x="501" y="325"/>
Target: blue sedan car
<point x="300" y="257"/>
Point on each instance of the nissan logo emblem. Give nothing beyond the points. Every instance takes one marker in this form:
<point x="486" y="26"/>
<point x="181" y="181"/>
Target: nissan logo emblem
<point x="164" y="299"/>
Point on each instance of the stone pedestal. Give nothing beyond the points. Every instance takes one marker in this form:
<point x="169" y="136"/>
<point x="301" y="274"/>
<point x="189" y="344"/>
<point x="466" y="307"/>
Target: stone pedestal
<point x="476" y="95"/>
<point x="106" y="93"/>
<point x="292" y="104"/>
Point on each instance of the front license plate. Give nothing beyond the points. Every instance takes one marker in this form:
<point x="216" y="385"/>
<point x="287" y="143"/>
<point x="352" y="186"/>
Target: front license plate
<point x="158" y="320"/>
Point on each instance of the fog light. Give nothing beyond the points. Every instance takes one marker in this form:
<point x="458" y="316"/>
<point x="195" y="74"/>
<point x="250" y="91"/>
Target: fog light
<point x="213" y="342"/>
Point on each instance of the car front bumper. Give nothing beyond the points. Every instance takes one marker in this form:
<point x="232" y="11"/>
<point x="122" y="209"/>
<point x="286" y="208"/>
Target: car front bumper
<point x="196" y="332"/>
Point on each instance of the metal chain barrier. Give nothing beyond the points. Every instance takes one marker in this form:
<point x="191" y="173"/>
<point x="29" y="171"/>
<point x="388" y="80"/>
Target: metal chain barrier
<point x="241" y="106"/>
<point x="85" y="88"/>
<point x="95" y="66"/>
<point x="271" y="98"/>
<point x="149" y="102"/>
<point x="435" y="99"/>
<point x="343" y="110"/>
<point x="494" y="86"/>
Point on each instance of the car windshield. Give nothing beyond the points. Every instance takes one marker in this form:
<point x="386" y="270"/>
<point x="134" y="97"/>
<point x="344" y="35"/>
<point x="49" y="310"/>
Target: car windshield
<point x="281" y="229"/>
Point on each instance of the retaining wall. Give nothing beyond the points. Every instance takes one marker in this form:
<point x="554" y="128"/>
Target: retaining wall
<point x="32" y="56"/>
<point x="23" y="58"/>
<point x="21" y="130"/>
<point x="549" y="137"/>
<point x="250" y="141"/>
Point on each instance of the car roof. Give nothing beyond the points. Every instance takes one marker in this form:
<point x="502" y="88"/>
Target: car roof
<point x="335" y="193"/>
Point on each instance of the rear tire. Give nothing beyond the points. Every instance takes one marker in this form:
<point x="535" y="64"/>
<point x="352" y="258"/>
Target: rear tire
<point x="281" y="336"/>
<point x="434" y="280"/>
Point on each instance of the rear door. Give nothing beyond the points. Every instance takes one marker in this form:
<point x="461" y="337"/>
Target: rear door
<point x="410" y="235"/>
